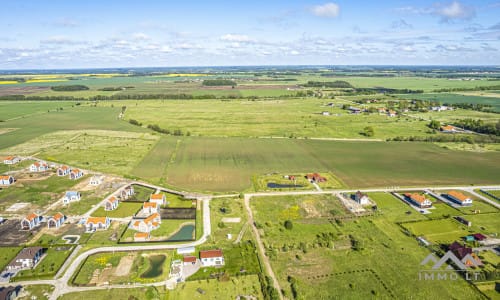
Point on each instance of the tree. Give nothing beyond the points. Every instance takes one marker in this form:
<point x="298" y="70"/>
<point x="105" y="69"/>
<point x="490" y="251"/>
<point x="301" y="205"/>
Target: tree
<point x="288" y="224"/>
<point x="368" y="131"/>
<point x="434" y="124"/>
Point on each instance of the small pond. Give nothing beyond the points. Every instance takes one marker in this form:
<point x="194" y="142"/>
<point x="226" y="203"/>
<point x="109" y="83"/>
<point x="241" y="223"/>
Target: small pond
<point x="71" y="239"/>
<point x="184" y="234"/>
<point x="273" y="185"/>
<point x="155" y="267"/>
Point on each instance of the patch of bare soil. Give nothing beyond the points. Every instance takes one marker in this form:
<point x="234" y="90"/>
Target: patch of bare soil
<point x="22" y="90"/>
<point x="125" y="265"/>
<point x="311" y="211"/>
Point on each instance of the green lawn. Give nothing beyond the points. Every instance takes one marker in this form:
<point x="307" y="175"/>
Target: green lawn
<point x="394" y="209"/>
<point x="214" y="289"/>
<point x="450" y="98"/>
<point x="125" y="209"/>
<point x="94" y="262"/>
<point x="168" y="227"/>
<point x="49" y="265"/>
<point x="443" y="231"/>
<point x="145" y="293"/>
<point x="107" y="237"/>
<point x="7" y="254"/>
<point x="40" y="291"/>
<point x="486" y="223"/>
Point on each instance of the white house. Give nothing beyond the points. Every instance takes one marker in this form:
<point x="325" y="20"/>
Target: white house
<point x="39" y="166"/>
<point x="26" y="258"/>
<point x="31" y="221"/>
<point x="97" y="223"/>
<point x="418" y="200"/>
<point x="158" y="198"/>
<point x="361" y="198"/>
<point x="146" y="225"/>
<point x="63" y="170"/>
<point x="189" y="260"/>
<point x="149" y="208"/>
<point x="11" y="160"/>
<point x="459" y="198"/>
<point x="96" y="180"/>
<point x="75" y="174"/>
<point x="127" y="192"/>
<point x="71" y="196"/>
<point x="325" y="113"/>
<point x="111" y="203"/>
<point x="56" y="220"/>
<point x="211" y="258"/>
<point x="6" y="180"/>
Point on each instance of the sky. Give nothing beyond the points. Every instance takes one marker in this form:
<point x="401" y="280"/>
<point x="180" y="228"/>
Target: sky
<point x="43" y="34"/>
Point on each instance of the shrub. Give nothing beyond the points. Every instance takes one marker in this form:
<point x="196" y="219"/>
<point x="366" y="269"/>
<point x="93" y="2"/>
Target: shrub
<point x="288" y="224"/>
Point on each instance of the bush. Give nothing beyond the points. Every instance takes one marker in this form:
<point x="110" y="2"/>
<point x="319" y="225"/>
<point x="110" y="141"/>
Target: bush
<point x="288" y="225"/>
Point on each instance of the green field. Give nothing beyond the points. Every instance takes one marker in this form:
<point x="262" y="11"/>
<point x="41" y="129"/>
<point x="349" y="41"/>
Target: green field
<point x="40" y="291"/>
<point x="394" y="209"/>
<point x="213" y="289"/>
<point x="141" y="293"/>
<point x="447" y="98"/>
<point x="7" y="254"/>
<point x="443" y="231"/>
<point x="125" y="209"/>
<point x="48" y="266"/>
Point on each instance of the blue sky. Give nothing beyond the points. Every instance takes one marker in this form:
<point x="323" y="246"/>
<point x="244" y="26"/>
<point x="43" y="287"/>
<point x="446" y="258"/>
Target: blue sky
<point x="85" y="34"/>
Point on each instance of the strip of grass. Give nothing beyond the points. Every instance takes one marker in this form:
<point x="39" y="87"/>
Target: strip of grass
<point x="145" y="293"/>
<point x="213" y="289"/>
<point x="7" y="254"/>
<point x="49" y="265"/>
<point x="38" y="291"/>
<point x="443" y="231"/>
<point x="125" y="209"/>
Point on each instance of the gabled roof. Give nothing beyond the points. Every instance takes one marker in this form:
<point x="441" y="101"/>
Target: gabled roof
<point x="72" y="193"/>
<point x="10" y="157"/>
<point x="74" y="171"/>
<point x="152" y="217"/>
<point x="64" y="168"/>
<point x="112" y="199"/>
<point x="360" y="195"/>
<point x="447" y="128"/>
<point x="459" y="196"/>
<point x="189" y="259"/>
<point x="157" y="196"/>
<point x="479" y="236"/>
<point x="141" y="235"/>
<point x="5" y="177"/>
<point x="416" y="197"/>
<point x="211" y="253"/>
<point x="95" y="220"/>
<point x="150" y="204"/>
<point x="58" y="216"/>
<point x="31" y="216"/>
<point x="28" y="253"/>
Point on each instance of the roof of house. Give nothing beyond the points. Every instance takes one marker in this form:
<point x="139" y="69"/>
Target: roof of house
<point x="150" y="204"/>
<point x="479" y="236"/>
<point x="189" y="259"/>
<point x="58" y="216"/>
<point x="136" y="223"/>
<point x="5" y="177"/>
<point x="211" y="253"/>
<point x="64" y="167"/>
<point x="76" y="171"/>
<point x="28" y="253"/>
<point x="6" y="291"/>
<point x="112" y="199"/>
<point x="416" y="197"/>
<point x="138" y="235"/>
<point x="95" y="220"/>
<point x="9" y="157"/>
<point x="31" y="216"/>
<point x="459" y="196"/>
<point x="447" y="128"/>
<point x="72" y="193"/>
<point x="157" y="196"/>
<point x="152" y="217"/>
<point x="361" y="195"/>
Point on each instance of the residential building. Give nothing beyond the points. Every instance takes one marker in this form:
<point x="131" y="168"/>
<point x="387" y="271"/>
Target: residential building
<point x="392" y="113"/>
<point x="127" y="192"/>
<point x="75" y="174"/>
<point x="146" y="225"/>
<point x="26" y="258"/>
<point x="158" y="198"/>
<point x="63" y="170"/>
<point x="449" y="129"/>
<point x="6" y="180"/>
<point x="325" y="113"/>
<point x="111" y="203"/>
<point x="31" y="221"/>
<point x="141" y="236"/>
<point x="211" y="258"/>
<point x="97" y="223"/>
<point x="71" y="196"/>
<point x="361" y="198"/>
<point x="11" y="160"/>
<point x="418" y="200"/>
<point x="39" y="167"/>
<point x="189" y="260"/>
<point x="149" y="208"/>
<point x="96" y="180"/>
<point x="315" y="177"/>
<point x="56" y="220"/>
<point x="459" y="198"/>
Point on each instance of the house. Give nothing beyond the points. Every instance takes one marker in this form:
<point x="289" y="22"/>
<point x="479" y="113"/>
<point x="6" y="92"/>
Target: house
<point x="391" y="113"/>
<point x="56" y="220"/>
<point x="111" y="203"/>
<point x="6" y="180"/>
<point x="441" y="108"/>
<point x="96" y="180"/>
<point x="97" y="223"/>
<point x="361" y="198"/>
<point x="26" y="258"/>
<point x="150" y="208"/>
<point x="382" y="110"/>
<point x="158" y="198"/>
<point x="146" y="225"/>
<point x="325" y="113"/>
<point x="315" y="177"/>
<point x="9" y="292"/>
<point x="449" y="129"/>
<point x="472" y="260"/>
<point x="127" y="192"/>
<point x="31" y="221"/>
<point x="71" y="196"/>
<point x="63" y="170"/>
<point x="418" y="200"/>
<point x="141" y="236"/>
<point x="39" y="167"/>
<point x="459" y="198"/>
<point x="211" y="258"/>
<point x="479" y="237"/>
<point x="75" y="174"/>
<point x="11" y="160"/>
<point x="463" y="221"/>
<point x="459" y="250"/>
<point x="189" y="260"/>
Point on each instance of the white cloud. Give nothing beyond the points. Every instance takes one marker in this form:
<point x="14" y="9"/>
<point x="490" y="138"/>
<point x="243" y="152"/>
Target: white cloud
<point x="401" y="24"/>
<point x="455" y="10"/>
<point x="139" y="36"/>
<point x="165" y="49"/>
<point x="327" y="10"/>
<point x="241" y="38"/>
<point x="59" y="40"/>
<point x="294" y="52"/>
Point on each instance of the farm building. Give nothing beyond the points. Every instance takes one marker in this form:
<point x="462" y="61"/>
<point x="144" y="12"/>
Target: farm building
<point x="141" y="236"/>
<point x="315" y="177"/>
<point x="211" y="258"/>
<point x="71" y="196"/>
<point x="146" y="225"/>
<point x="75" y="174"/>
<point x="11" y="160"/>
<point x="6" y="180"/>
<point x="158" y="198"/>
<point x="418" y="200"/>
<point x="459" y="198"/>
<point x="39" y="166"/>
<point x="150" y="208"/>
<point x="63" y="170"/>
<point x="97" y="223"/>
<point x="31" y="221"/>
<point x="26" y="258"/>
<point x="361" y="198"/>
<point x="127" y="192"/>
<point x="111" y="203"/>
<point x="96" y="180"/>
<point x="189" y="260"/>
<point x="56" y="220"/>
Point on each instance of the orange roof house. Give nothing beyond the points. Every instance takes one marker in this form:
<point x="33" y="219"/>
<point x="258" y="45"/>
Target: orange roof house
<point x="418" y="199"/>
<point x="459" y="198"/>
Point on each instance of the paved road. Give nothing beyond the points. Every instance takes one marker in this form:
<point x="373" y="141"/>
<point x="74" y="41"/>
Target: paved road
<point x="471" y="190"/>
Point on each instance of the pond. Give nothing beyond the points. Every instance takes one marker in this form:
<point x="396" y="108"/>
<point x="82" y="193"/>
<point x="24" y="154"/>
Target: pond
<point x="155" y="267"/>
<point x="184" y="234"/>
<point x="273" y="185"/>
<point x="71" y="239"/>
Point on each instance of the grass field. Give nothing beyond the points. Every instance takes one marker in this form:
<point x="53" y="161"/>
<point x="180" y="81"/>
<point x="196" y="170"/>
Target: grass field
<point x="49" y="265"/>
<point x="7" y="254"/>
<point x="394" y="209"/>
<point x="38" y="291"/>
<point x="9" y="110"/>
<point x="449" y="98"/>
<point x="144" y="293"/>
<point x="443" y="231"/>
<point x="154" y="164"/>
<point x="213" y="289"/>
<point x="125" y="209"/>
